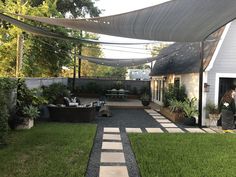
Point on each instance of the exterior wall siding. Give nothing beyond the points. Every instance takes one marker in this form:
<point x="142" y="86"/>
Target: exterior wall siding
<point x="191" y="81"/>
<point x="225" y="61"/>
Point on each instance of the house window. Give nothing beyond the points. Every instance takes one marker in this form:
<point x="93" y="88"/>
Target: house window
<point x="177" y="82"/>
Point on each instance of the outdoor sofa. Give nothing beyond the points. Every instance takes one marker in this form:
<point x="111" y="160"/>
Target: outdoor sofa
<point x="72" y="114"/>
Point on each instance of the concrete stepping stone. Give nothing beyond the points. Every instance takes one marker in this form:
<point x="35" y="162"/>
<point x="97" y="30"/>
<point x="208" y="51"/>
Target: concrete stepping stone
<point x="111" y="137"/>
<point x="113" y="171"/>
<point x="112" y="157"/>
<point x="194" y="130"/>
<point x="111" y="130"/>
<point x="174" y="130"/>
<point x="133" y="130"/>
<point x="168" y="125"/>
<point x="154" y="130"/>
<point x="153" y="114"/>
<point x="163" y="121"/>
<point x="112" y="145"/>
<point x="149" y="110"/>
<point x="209" y="130"/>
<point x="159" y="117"/>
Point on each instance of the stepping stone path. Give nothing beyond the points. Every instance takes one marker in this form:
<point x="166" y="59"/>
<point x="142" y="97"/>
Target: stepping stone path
<point x="170" y="127"/>
<point x="110" y="145"/>
<point x="115" y="149"/>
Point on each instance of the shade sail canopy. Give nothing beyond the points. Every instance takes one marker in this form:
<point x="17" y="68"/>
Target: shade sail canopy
<point x="46" y="33"/>
<point x="115" y="62"/>
<point x="176" y="20"/>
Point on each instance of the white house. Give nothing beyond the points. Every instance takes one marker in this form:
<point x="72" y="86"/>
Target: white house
<point x="180" y="64"/>
<point x="138" y="74"/>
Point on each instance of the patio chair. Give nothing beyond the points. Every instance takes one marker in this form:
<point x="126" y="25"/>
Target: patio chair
<point x="121" y="94"/>
<point x="114" y="93"/>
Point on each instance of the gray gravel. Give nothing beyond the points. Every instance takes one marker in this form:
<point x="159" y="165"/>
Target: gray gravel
<point x="122" y="118"/>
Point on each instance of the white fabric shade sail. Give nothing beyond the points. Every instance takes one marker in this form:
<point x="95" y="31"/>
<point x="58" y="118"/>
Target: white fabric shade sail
<point x="176" y="20"/>
<point x="46" y="33"/>
<point x="116" y="62"/>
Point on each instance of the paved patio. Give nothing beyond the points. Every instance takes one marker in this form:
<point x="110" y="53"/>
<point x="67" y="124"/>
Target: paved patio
<point x="112" y="155"/>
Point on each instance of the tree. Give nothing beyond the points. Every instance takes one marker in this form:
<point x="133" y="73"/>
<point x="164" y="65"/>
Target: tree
<point x="42" y="56"/>
<point x="76" y="8"/>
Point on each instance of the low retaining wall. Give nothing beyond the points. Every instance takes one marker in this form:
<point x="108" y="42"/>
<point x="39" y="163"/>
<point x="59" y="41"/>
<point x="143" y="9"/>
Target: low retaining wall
<point x="175" y="117"/>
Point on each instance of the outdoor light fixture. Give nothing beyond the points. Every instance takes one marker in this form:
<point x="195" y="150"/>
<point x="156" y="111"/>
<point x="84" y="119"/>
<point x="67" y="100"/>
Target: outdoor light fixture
<point x="206" y="87"/>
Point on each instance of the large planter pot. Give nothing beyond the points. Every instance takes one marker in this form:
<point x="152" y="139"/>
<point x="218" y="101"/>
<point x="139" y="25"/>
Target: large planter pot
<point x="213" y="118"/>
<point x="190" y="121"/>
<point x="27" y="124"/>
<point x="145" y="103"/>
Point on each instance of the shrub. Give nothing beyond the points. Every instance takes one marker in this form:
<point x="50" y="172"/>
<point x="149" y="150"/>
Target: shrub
<point x="211" y="108"/>
<point x="30" y="112"/>
<point x="172" y="93"/>
<point x="24" y="96"/>
<point x="6" y="87"/>
<point x="55" y="93"/>
<point x="144" y="89"/>
<point x="189" y="107"/>
<point x="4" y="115"/>
<point x="175" y="105"/>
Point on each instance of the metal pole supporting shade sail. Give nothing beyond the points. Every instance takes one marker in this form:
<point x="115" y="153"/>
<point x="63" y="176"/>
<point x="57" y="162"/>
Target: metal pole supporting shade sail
<point x="176" y="20"/>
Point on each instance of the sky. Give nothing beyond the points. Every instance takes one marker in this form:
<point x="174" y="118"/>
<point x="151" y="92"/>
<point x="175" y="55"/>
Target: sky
<point x="112" y="7"/>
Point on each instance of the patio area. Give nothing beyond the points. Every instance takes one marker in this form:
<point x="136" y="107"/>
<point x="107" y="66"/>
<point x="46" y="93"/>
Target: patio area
<point x="128" y="103"/>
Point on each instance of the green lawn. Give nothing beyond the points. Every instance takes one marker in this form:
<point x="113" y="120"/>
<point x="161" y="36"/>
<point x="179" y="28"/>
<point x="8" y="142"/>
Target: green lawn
<point x="48" y="150"/>
<point x="185" y="155"/>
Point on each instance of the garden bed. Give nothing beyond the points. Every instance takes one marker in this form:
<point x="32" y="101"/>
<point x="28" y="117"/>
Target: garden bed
<point x="175" y="117"/>
<point x="49" y="149"/>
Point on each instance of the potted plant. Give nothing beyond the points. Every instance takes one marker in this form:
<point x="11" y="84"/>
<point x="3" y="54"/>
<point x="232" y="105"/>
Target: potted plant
<point x="145" y="99"/>
<point x="213" y="113"/>
<point x="30" y="113"/>
<point x="190" y="110"/>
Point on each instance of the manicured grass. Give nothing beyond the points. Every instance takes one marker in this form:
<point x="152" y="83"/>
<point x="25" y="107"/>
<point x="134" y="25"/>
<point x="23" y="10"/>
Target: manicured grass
<point x="48" y="150"/>
<point x="185" y="155"/>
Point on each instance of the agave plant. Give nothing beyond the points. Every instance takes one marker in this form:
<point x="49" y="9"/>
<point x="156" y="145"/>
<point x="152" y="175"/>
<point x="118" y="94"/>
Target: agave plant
<point x="189" y="107"/>
<point x="175" y="105"/>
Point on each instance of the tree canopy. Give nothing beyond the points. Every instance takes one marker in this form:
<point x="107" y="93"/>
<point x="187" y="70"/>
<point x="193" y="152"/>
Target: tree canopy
<point x="42" y="56"/>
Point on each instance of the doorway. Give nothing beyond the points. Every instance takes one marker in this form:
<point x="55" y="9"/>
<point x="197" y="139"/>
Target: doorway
<point x="225" y="84"/>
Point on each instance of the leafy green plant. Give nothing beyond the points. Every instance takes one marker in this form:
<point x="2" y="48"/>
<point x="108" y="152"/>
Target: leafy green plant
<point x="24" y="96"/>
<point x="30" y="112"/>
<point x="145" y="97"/>
<point x="37" y="97"/>
<point x="55" y="93"/>
<point x="211" y="108"/>
<point x="176" y="106"/>
<point x="172" y="92"/>
<point x="189" y="107"/>
<point x="4" y="115"/>
<point x="144" y="89"/>
<point x="6" y="87"/>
